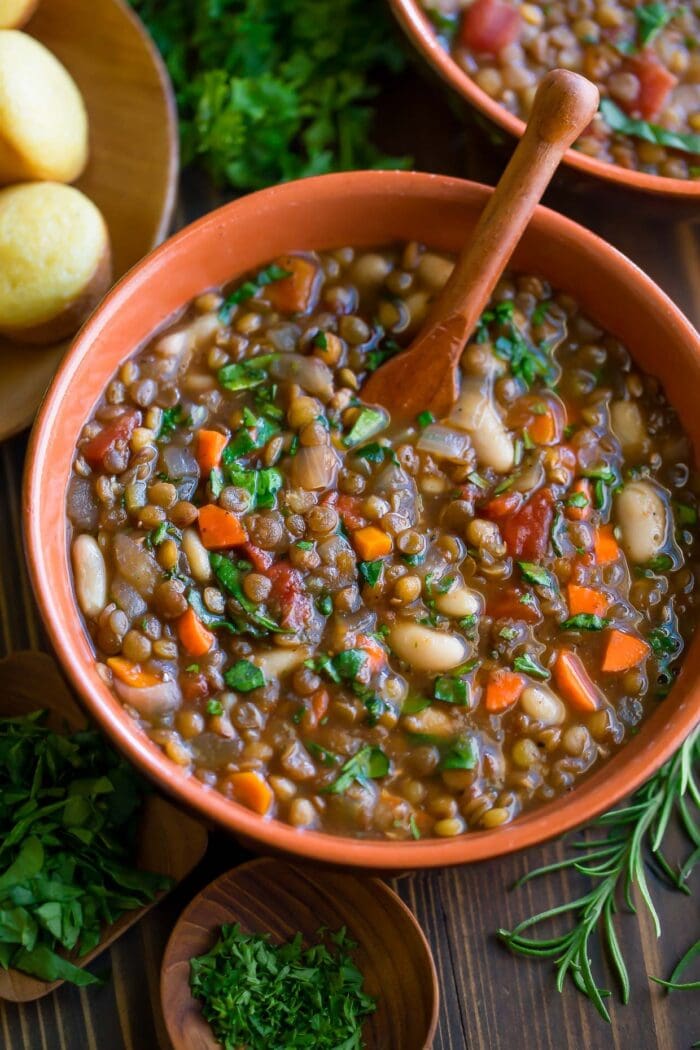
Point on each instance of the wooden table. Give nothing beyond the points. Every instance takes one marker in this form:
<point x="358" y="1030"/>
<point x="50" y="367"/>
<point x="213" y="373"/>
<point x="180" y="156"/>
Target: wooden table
<point x="490" y="1000"/>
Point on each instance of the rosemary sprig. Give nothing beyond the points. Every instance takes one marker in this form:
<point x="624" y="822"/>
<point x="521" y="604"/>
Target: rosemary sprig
<point x="616" y="864"/>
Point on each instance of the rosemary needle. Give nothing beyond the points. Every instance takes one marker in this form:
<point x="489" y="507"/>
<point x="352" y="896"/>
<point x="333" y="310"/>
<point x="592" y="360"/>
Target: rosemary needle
<point x="616" y="865"/>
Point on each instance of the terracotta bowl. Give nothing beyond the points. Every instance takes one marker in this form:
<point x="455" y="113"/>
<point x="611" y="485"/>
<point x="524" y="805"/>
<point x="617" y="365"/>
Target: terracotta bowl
<point x="421" y="32"/>
<point x="362" y="209"/>
<point x="265" y="896"/>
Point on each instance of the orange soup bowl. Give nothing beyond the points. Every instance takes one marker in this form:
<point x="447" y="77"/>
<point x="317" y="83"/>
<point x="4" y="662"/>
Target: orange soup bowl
<point x="582" y="170"/>
<point x="362" y="209"/>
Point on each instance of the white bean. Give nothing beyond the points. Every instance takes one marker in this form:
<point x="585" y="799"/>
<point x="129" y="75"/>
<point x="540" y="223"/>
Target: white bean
<point x="627" y="424"/>
<point x="435" y="271"/>
<point x="90" y="573"/>
<point x="540" y="703"/>
<point x="274" y="663"/>
<point x="642" y="517"/>
<point x="426" y="649"/>
<point x="431" y="721"/>
<point x="197" y="555"/>
<point x="460" y="601"/>
<point x="476" y="413"/>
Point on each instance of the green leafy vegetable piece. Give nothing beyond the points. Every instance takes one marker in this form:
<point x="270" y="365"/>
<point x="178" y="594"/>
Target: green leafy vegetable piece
<point x="244" y="676"/>
<point x="369" y="422"/>
<point x="537" y="575"/>
<point x="413" y="827"/>
<point x="576" y="499"/>
<point x="424" y="419"/>
<point x="230" y="577"/>
<point x="263" y="485"/>
<point x="381" y="353"/>
<point x="327" y="757"/>
<point x="685" y="514"/>
<point x="370" y="763"/>
<point x="370" y="571"/>
<point x="215" y="708"/>
<point x="585" y="622"/>
<point x="261" y="996"/>
<point x="244" y="375"/>
<point x="413" y="705"/>
<point x="452" y="690"/>
<point x="169" y="421"/>
<point x="463" y="754"/>
<point x="250" y="288"/>
<point x="641" y="129"/>
<point x="376" y="453"/>
<point x="527" y="665"/>
<point x="348" y="663"/>
<point x="651" y="19"/>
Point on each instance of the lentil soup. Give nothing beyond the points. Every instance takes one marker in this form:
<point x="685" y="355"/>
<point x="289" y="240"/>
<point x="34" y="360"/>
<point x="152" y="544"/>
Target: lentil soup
<point x="373" y="631"/>
<point x="644" y="58"/>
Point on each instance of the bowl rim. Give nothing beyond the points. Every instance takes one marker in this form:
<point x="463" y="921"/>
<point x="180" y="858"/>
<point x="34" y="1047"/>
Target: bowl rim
<point x="533" y="827"/>
<point x="418" y="28"/>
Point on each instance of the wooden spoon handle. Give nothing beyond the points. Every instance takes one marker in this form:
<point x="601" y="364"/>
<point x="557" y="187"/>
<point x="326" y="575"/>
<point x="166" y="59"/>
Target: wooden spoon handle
<point x="564" y="105"/>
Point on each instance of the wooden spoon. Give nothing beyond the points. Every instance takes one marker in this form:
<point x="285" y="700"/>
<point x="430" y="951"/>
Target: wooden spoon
<point x="425" y="377"/>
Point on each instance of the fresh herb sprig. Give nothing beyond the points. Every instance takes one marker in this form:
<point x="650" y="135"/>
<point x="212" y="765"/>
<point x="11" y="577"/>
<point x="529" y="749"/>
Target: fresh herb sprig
<point x="272" y="90"/>
<point x="616" y="864"/>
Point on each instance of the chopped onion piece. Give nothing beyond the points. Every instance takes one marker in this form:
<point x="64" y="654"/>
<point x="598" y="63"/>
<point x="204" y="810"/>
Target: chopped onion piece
<point x="445" y="443"/>
<point x="151" y="701"/>
<point x="315" y="467"/>
<point x="311" y="374"/>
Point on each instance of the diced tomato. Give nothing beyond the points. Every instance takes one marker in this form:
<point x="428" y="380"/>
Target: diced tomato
<point x="526" y="533"/>
<point x="349" y="509"/>
<point x="262" y="560"/>
<point x="116" y="430"/>
<point x="489" y="25"/>
<point x="375" y="653"/>
<point x="289" y="594"/>
<point x="508" y="605"/>
<point x="655" y="85"/>
<point x="502" y="506"/>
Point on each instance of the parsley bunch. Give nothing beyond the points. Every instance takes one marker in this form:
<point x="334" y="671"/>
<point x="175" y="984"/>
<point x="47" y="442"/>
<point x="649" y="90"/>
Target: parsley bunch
<point x="281" y="997"/>
<point x="68" y="806"/>
<point x="272" y="90"/>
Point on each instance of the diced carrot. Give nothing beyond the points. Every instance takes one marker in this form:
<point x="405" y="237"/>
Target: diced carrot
<point x="193" y="634"/>
<point x="574" y="682"/>
<point x="252" y="790"/>
<point x="543" y="416"/>
<point x="131" y="674"/>
<point x="317" y="709"/>
<point x="210" y="445"/>
<point x="503" y="690"/>
<point x="219" y="528"/>
<point x="349" y="509"/>
<point x="508" y="604"/>
<point x="296" y="293"/>
<point x="605" y="545"/>
<point x="586" y="600"/>
<point x="582" y="487"/>
<point x="623" y="651"/>
<point x="371" y="542"/>
<point x="375" y="653"/>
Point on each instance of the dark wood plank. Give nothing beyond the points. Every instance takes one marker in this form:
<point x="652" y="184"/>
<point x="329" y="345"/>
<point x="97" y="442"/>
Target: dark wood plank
<point x="491" y="1001"/>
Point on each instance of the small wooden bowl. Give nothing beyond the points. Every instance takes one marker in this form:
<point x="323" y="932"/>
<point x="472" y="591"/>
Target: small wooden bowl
<point x="132" y="171"/>
<point x="170" y="842"/>
<point x="268" y="896"/>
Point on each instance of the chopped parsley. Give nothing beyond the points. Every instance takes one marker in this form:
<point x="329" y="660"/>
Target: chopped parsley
<point x="376" y="453"/>
<point x="215" y="707"/>
<point x="461" y="755"/>
<point x="585" y="622"/>
<point x="537" y="575"/>
<point x="424" y="419"/>
<point x="170" y="421"/>
<point x="370" y="763"/>
<point x="244" y="676"/>
<point x="248" y="289"/>
<point x="262" y="485"/>
<point x="529" y="666"/>
<point x="618" y="121"/>
<point x="370" y="421"/>
<point x="452" y="690"/>
<point x="370" y="571"/>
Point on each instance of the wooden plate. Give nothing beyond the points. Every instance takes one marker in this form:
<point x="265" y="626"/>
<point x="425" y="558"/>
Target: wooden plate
<point x="268" y="896"/>
<point x="132" y="172"/>
<point x="170" y="842"/>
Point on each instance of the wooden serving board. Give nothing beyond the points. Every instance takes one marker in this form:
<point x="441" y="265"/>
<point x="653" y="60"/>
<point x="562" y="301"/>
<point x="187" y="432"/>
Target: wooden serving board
<point x="170" y="842"/>
<point x="132" y="172"/>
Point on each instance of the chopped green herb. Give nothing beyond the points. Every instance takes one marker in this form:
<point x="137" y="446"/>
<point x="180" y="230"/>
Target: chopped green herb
<point x="452" y="690"/>
<point x="414" y="559"/>
<point x="661" y="563"/>
<point x="651" y="19"/>
<point x="375" y="707"/>
<point x="370" y="571"/>
<point x="304" y="545"/>
<point x="413" y="705"/>
<point x="539" y="314"/>
<point x="216" y="482"/>
<point x="585" y="622"/>
<point x="476" y="479"/>
<point x="413" y="827"/>
<point x="229" y="577"/>
<point x="467" y="623"/>
<point x="369" y="422"/>
<point x="509" y="633"/>
<point x="170" y="421"/>
<point x="537" y="575"/>
<point x="641" y="129"/>
<point x="250" y="288"/>
<point x="461" y="755"/>
<point x="370" y="763"/>
<point x="259" y="995"/>
<point x="529" y="666"/>
<point x="263" y="485"/>
<point x="424" y="419"/>
<point x="320" y="341"/>
<point x="349" y="662"/>
<point x="381" y="353"/>
<point x="376" y="453"/>
<point x="685" y="515"/>
<point x="327" y="757"/>
<point x="160" y="534"/>
<point x="241" y="375"/>
<point x="244" y="676"/>
<point x="576" y="499"/>
<point x="215" y="708"/>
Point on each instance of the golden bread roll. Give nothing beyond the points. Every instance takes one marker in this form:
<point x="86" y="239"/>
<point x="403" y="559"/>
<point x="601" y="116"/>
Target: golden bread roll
<point x="54" y="261"/>
<point x="43" y="122"/>
<point x="14" y="13"/>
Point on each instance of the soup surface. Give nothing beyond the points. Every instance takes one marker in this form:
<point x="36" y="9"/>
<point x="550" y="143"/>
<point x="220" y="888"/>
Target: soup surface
<point x="369" y="630"/>
<point x="644" y="58"/>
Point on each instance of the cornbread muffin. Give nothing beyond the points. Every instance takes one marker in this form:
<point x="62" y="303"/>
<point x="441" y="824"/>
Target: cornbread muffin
<point x="54" y="260"/>
<point x="43" y="121"/>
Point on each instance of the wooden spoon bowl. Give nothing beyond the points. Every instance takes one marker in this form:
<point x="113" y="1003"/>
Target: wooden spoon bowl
<point x="267" y="896"/>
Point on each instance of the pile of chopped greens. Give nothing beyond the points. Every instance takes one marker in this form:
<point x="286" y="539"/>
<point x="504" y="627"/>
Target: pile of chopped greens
<point x="282" y="997"/>
<point x="272" y="90"/>
<point x="68" y="811"/>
